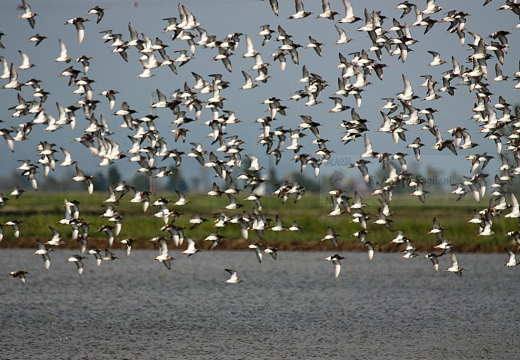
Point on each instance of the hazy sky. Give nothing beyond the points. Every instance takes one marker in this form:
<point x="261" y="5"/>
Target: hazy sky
<point x="221" y="18"/>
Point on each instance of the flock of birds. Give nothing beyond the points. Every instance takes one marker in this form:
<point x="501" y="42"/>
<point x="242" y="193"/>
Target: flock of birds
<point x="174" y="49"/>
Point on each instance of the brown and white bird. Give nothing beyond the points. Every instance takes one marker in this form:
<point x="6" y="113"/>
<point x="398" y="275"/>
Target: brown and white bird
<point x="28" y="14"/>
<point x="80" y="28"/>
<point x="19" y="274"/>
<point x="78" y="260"/>
<point x="336" y="262"/>
<point x="455" y="268"/>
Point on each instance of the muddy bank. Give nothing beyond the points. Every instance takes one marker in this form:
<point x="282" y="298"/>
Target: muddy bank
<point x="241" y="244"/>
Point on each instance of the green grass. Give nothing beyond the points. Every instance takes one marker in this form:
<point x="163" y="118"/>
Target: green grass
<point x="39" y="210"/>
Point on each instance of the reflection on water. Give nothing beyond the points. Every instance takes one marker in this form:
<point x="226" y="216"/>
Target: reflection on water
<point x="293" y="307"/>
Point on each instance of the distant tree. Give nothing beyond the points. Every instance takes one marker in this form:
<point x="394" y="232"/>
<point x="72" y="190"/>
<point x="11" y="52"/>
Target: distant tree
<point x="14" y="180"/>
<point x="176" y="180"/>
<point x="435" y="181"/>
<point x="99" y="181"/>
<point x="196" y="184"/>
<point x="50" y="183"/>
<point x="141" y="181"/>
<point x="113" y="174"/>
<point x="311" y="184"/>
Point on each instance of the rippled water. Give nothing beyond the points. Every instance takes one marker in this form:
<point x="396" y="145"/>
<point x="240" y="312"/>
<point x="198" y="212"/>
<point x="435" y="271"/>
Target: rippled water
<point x="293" y="308"/>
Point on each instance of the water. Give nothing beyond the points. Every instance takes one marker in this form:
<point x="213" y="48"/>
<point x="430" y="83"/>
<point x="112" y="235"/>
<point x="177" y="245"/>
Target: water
<point x="292" y="308"/>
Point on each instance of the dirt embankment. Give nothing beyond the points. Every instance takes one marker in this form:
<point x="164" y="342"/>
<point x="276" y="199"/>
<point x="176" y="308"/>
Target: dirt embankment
<point x="241" y="244"/>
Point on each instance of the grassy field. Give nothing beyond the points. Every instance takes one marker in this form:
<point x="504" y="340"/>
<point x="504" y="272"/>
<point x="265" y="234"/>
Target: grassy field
<point x="38" y="211"/>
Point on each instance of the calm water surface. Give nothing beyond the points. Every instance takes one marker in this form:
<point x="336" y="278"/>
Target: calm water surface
<point x="292" y="308"/>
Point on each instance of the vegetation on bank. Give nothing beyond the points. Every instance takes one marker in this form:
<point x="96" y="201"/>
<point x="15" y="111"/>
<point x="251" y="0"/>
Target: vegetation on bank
<point x="38" y="211"/>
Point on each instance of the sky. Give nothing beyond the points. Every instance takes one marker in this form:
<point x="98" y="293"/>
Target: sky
<point x="220" y="18"/>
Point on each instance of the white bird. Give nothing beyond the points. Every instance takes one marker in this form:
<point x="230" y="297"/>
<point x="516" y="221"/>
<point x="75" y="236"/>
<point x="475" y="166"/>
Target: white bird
<point x="271" y="251"/>
<point x="191" y="250"/>
<point x="97" y="10"/>
<point x="515" y="209"/>
<point x="436" y="59"/>
<point x="331" y="236"/>
<point x="13" y="79"/>
<point x="455" y="268"/>
<point x="5" y="68"/>
<point x="419" y="192"/>
<point x="370" y="249"/>
<point x="407" y="94"/>
<point x="258" y="251"/>
<point x="416" y="146"/>
<point x="128" y="242"/>
<point x="233" y="203"/>
<point x="109" y="231"/>
<point x="17" y="192"/>
<point x="234" y="279"/>
<point x="349" y="13"/>
<point x="16" y="227"/>
<point x="327" y="12"/>
<point x="254" y="166"/>
<point x="56" y="238"/>
<point x="182" y="199"/>
<point x="87" y="179"/>
<point x="19" y="274"/>
<point x="274" y="6"/>
<point x="300" y="11"/>
<point x="434" y="259"/>
<point x="109" y="256"/>
<point x="343" y="38"/>
<point x="77" y="259"/>
<point x="251" y="51"/>
<point x="368" y="148"/>
<point x="44" y="252"/>
<point x="249" y="82"/>
<point x="63" y="53"/>
<point x="164" y="257"/>
<point x="485" y="228"/>
<point x="337" y="264"/>
<point x="67" y="160"/>
<point x="437" y="229"/>
<point x="28" y="14"/>
<point x="511" y="262"/>
<point x="196" y="220"/>
<point x="97" y="255"/>
<point x="26" y="64"/>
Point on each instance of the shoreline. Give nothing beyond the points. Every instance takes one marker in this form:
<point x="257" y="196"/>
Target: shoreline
<point x="241" y="244"/>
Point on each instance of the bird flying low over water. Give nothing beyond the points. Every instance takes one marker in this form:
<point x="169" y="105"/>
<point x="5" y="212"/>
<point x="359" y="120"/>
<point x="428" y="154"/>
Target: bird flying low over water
<point x="191" y="250"/>
<point x="455" y="268"/>
<point x="258" y="251"/>
<point x="78" y="260"/>
<point x="128" y="242"/>
<point x="234" y="279"/>
<point x="434" y="259"/>
<point x="56" y="238"/>
<point x="19" y="274"/>
<point x="163" y="256"/>
<point x="44" y="252"/>
<point x="97" y="255"/>
<point x="336" y="262"/>
<point x="511" y="262"/>
<point x="271" y="250"/>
